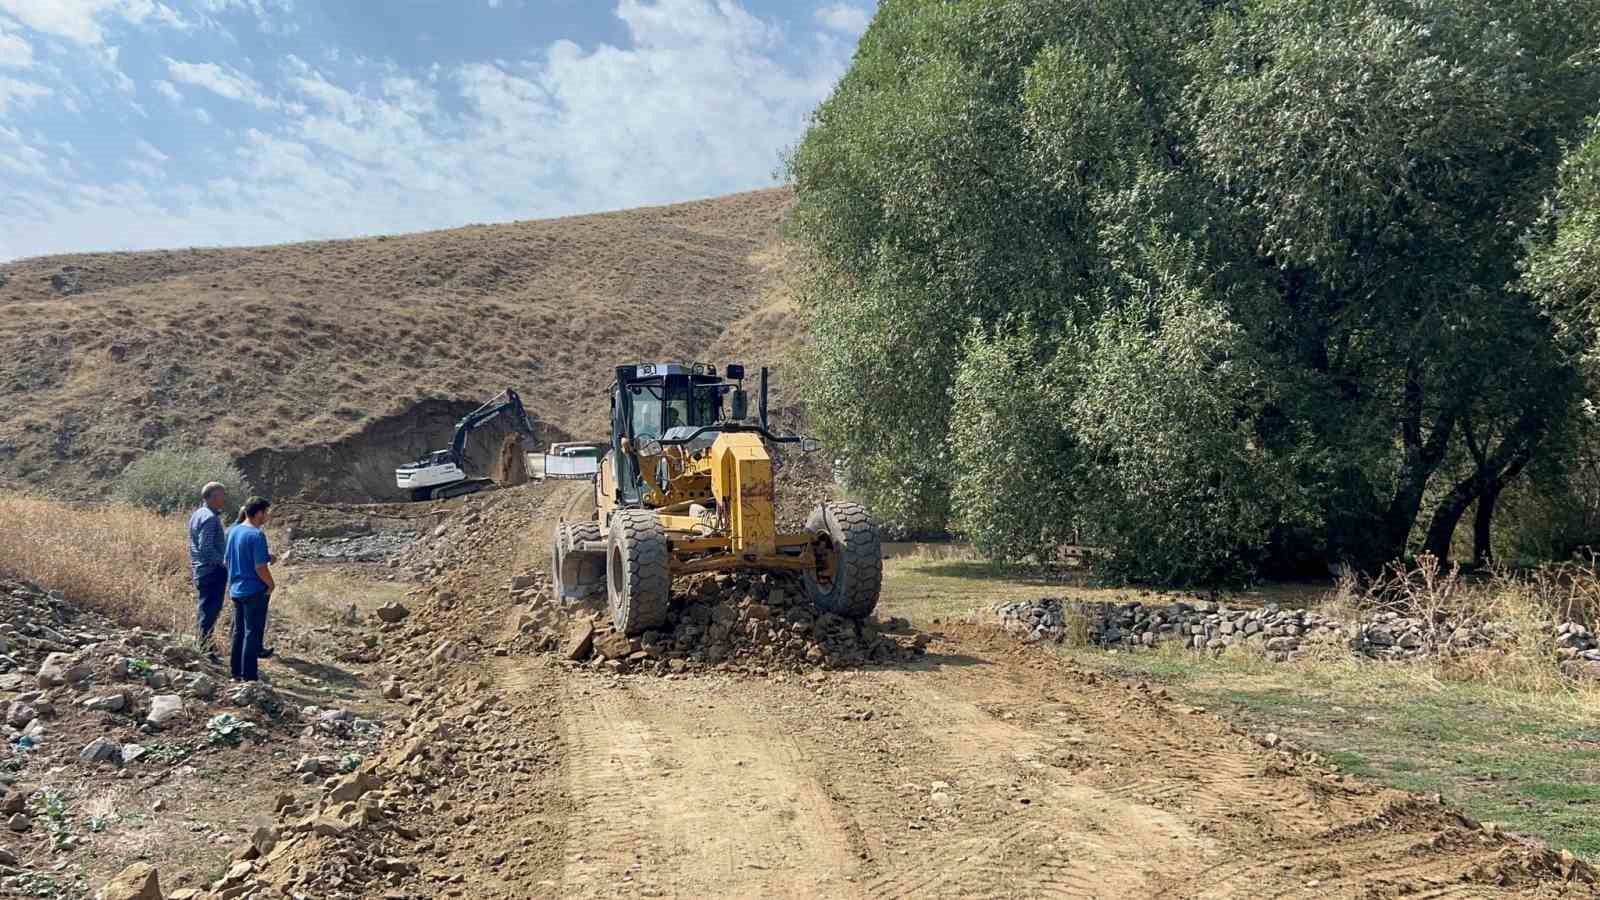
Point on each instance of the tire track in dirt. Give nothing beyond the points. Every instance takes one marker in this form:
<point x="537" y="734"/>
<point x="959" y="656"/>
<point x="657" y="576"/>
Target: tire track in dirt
<point x="684" y="797"/>
<point x="1063" y="839"/>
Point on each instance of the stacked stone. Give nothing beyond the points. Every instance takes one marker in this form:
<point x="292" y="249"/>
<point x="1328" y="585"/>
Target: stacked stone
<point x="1279" y="633"/>
<point x="1574" y="641"/>
<point x="1200" y="626"/>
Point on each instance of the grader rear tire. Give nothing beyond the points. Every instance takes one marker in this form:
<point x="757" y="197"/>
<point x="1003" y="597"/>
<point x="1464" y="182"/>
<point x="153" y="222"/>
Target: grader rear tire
<point x="638" y="572"/>
<point x="849" y="573"/>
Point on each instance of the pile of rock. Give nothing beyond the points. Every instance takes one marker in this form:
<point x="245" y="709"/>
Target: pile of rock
<point x="375" y="547"/>
<point x="748" y="623"/>
<point x="459" y="538"/>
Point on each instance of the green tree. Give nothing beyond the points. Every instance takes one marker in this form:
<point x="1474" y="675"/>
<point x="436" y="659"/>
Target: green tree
<point x="1265" y="251"/>
<point x="169" y="480"/>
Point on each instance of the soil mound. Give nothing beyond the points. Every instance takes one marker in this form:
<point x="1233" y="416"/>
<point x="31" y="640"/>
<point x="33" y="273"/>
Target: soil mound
<point x="751" y="623"/>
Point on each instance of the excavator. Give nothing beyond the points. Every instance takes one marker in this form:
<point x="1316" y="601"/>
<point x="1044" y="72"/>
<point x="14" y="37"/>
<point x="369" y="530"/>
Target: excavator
<point x="687" y="486"/>
<point x="442" y="474"/>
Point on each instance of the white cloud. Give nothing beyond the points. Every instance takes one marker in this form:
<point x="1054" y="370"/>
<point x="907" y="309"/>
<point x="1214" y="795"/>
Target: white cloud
<point x="81" y="20"/>
<point x="844" y="18"/>
<point x="19" y="93"/>
<point x="261" y="8"/>
<point x="149" y="151"/>
<point x="14" y="51"/>
<point x="494" y="4"/>
<point x="699" y="100"/>
<point x="223" y="81"/>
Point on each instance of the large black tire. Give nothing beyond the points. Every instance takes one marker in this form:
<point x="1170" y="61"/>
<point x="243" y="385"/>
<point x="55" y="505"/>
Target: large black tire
<point x="849" y="573"/>
<point x="638" y="571"/>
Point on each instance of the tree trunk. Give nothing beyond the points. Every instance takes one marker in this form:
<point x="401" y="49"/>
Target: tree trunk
<point x="1442" y="527"/>
<point x="1422" y="457"/>
<point x="1488" y="481"/>
<point x="1482" y="535"/>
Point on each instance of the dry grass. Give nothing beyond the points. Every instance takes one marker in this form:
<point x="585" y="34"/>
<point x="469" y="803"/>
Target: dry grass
<point x="306" y="344"/>
<point x="125" y="563"/>
<point x="1520" y="609"/>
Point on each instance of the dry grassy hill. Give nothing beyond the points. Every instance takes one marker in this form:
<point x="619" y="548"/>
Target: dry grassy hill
<point x="321" y="365"/>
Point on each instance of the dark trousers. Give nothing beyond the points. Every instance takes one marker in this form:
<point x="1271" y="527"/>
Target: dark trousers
<point x="209" y="589"/>
<point x="249" y="624"/>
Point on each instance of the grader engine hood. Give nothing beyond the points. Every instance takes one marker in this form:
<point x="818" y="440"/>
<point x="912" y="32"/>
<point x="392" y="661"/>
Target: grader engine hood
<point x="741" y="482"/>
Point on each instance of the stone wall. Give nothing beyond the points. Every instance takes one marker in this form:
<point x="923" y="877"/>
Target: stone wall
<point x="1278" y="633"/>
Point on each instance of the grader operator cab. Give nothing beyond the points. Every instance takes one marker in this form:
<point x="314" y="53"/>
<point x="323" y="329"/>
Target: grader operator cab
<point x="686" y="487"/>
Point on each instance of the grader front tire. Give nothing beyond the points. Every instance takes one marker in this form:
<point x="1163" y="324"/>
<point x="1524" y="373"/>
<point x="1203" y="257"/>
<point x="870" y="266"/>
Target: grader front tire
<point x="638" y="573"/>
<point x="849" y="573"/>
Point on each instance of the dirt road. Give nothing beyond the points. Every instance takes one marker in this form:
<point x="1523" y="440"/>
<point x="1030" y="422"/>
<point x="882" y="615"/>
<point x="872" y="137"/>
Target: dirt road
<point x="984" y="770"/>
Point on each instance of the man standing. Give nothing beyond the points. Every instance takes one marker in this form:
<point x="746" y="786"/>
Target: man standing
<point x="250" y="585"/>
<point x="208" y="565"/>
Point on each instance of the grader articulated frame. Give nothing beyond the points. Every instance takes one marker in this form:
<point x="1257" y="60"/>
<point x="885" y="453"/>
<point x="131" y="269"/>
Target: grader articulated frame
<point x="687" y="487"/>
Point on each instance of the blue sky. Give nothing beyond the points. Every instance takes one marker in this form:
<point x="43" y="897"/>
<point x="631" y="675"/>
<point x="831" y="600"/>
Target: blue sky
<point x="135" y="124"/>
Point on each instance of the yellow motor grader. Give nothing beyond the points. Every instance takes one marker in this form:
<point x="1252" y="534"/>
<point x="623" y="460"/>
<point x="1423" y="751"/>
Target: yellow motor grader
<point x="686" y="487"/>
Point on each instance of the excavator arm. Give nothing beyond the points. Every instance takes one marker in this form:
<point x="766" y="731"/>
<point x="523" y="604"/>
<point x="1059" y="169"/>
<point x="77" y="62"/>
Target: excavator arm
<point x="508" y="403"/>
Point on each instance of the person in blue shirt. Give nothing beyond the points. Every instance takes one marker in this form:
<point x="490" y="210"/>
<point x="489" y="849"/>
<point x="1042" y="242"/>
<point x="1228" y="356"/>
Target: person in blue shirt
<point x="250" y="586"/>
<point x="207" y="565"/>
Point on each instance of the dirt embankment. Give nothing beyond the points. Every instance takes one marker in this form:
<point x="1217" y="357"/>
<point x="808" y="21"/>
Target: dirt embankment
<point x="360" y="468"/>
<point x="979" y="769"/>
<point x="106" y="356"/>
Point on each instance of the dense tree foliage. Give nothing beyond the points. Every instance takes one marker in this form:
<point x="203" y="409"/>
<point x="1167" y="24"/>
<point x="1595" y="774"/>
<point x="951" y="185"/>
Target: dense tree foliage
<point x="1226" y="285"/>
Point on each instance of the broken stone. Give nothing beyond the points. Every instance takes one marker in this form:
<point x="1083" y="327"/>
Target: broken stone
<point x="328" y="826"/>
<point x="99" y="750"/>
<point x="19" y="823"/>
<point x="132" y="753"/>
<point x="392" y="612"/>
<point x="109" y="703"/>
<point x="58" y="669"/>
<point x="580" y="641"/>
<point x="613" y="646"/>
<point x="13" y="802"/>
<point x="20" y="714"/>
<point x="164" y="708"/>
<point x="137" y="882"/>
<point x="352" y="786"/>
<point x="264" y="839"/>
<point x="203" y="687"/>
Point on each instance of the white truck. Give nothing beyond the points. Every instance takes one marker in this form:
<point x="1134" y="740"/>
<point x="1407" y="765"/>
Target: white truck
<point x="567" y="460"/>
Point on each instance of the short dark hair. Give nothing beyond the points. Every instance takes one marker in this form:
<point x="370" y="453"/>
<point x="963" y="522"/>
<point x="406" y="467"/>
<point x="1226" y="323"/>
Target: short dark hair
<point x="254" y="507"/>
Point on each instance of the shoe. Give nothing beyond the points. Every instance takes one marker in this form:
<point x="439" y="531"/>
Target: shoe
<point x="213" y="658"/>
<point x="266" y="653"/>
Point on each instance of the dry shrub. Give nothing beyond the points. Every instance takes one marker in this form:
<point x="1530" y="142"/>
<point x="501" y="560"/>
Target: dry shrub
<point x="122" y="562"/>
<point x="1519" y="611"/>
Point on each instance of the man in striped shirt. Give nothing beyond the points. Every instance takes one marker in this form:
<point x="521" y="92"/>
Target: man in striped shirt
<point x="207" y="564"/>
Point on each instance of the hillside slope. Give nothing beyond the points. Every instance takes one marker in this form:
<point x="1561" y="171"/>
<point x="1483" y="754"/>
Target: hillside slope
<point x="321" y="365"/>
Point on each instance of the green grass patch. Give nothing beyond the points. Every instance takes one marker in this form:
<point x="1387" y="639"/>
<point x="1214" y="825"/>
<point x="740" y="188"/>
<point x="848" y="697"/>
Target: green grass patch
<point x="1530" y="763"/>
<point x="924" y="586"/>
